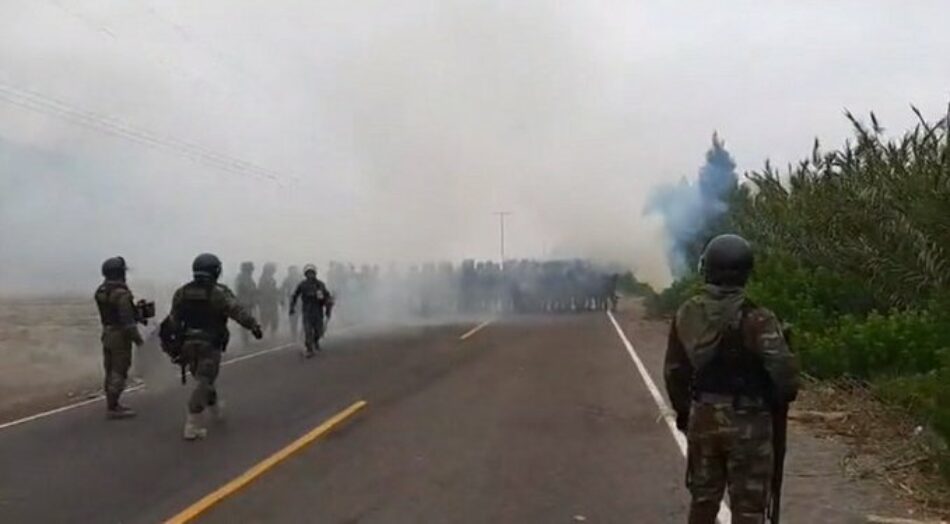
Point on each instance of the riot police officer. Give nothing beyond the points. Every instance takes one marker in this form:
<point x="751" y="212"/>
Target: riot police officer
<point x="119" y="331"/>
<point x="317" y="307"/>
<point x="246" y="292"/>
<point x="728" y="367"/>
<point x="268" y="298"/>
<point x="198" y="319"/>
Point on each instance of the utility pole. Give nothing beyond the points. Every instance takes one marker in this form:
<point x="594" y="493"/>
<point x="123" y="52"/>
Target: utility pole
<point x="501" y="223"/>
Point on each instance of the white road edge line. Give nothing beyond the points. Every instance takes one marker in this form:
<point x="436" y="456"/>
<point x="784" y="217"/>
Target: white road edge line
<point x="475" y="329"/>
<point x="725" y="515"/>
<point x="139" y="387"/>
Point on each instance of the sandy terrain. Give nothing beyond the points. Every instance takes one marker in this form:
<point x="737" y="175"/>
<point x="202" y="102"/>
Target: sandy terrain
<point x="49" y="349"/>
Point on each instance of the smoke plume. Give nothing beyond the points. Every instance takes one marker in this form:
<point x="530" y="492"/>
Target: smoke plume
<point x="689" y="208"/>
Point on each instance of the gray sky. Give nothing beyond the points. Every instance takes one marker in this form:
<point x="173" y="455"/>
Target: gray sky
<point x="400" y="126"/>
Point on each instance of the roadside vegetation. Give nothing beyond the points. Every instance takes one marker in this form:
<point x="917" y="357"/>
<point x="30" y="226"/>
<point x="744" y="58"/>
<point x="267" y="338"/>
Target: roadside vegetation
<point x="852" y="251"/>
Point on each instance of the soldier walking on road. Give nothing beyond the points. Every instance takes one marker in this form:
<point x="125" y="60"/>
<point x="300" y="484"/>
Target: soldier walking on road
<point x="119" y="331"/>
<point x="287" y="288"/>
<point x="317" y="307"/>
<point x="199" y="319"/>
<point x="268" y="298"/>
<point x="246" y="292"/>
<point x="728" y="368"/>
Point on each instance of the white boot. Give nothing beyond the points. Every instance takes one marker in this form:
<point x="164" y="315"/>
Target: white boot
<point x="193" y="428"/>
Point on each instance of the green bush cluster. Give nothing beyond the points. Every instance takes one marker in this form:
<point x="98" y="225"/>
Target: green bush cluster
<point x="851" y="252"/>
<point x="665" y="302"/>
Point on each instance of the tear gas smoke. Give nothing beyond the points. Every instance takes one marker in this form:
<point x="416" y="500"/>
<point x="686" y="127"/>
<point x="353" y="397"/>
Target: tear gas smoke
<point x="690" y="207"/>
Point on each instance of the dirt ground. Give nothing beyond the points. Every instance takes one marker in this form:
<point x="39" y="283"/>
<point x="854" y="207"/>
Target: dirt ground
<point x="50" y="352"/>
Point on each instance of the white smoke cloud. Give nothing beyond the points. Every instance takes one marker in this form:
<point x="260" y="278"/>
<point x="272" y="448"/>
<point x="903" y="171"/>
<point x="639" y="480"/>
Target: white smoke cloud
<point x="402" y="126"/>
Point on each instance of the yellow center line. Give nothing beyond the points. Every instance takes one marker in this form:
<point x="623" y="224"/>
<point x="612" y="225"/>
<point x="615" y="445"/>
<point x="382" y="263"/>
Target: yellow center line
<point x="475" y="329"/>
<point x="203" y="505"/>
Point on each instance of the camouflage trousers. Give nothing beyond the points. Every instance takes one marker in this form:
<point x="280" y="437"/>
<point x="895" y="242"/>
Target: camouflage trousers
<point x="205" y="359"/>
<point x="269" y="317"/>
<point x="116" y="361"/>
<point x="313" y="328"/>
<point x="729" y="448"/>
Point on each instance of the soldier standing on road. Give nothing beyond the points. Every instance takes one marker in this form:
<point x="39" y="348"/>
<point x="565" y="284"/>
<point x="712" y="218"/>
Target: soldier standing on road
<point x="727" y="365"/>
<point x="199" y="316"/>
<point x="268" y="298"/>
<point x="246" y="292"/>
<point x="119" y="332"/>
<point x="317" y="307"/>
<point x="287" y="288"/>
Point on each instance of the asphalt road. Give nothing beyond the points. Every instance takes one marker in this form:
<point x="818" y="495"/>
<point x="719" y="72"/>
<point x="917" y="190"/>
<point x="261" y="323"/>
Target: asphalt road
<point x="540" y="419"/>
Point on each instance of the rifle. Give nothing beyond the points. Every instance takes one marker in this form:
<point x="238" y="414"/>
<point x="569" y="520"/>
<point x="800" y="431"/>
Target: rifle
<point x="779" y="439"/>
<point x="169" y="333"/>
<point x="779" y="442"/>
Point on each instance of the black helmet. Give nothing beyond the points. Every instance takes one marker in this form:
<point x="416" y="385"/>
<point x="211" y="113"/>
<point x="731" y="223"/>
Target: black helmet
<point x="206" y="266"/>
<point x="727" y="261"/>
<point x="114" y="267"/>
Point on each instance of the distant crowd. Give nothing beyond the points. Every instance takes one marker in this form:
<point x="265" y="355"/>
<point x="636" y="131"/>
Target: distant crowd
<point x="445" y="289"/>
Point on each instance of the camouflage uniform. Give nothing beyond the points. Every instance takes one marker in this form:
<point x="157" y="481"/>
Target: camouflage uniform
<point x="268" y="299"/>
<point x="200" y="310"/>
<point x="119" y="332"/>
<point x="727" y="363"/>
<point x="317" y="306"/>
<point x="246" y="293"/>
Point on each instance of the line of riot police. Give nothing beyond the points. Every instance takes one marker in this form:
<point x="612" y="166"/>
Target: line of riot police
<point x="472" y="287"/>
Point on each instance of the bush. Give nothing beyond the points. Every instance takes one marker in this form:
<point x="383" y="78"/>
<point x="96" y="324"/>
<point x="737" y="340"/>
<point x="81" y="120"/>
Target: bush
<point x="907" y="342"/>
<point x="629" y="285"/>
<point x="666" y="302"/>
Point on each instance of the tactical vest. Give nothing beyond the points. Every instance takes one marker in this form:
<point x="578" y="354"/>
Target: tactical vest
<point x="199" y="317"/>
<point x="313" y="295"/>
<point x="734" y="369"/>
<point x="108" y="311"/>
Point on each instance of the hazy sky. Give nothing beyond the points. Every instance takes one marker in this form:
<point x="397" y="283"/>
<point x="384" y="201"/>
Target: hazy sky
<point x="398" y="127"/>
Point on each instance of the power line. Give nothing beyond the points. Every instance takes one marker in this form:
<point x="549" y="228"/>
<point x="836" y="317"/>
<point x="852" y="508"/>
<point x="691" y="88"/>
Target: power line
<point x="37" y="102"/>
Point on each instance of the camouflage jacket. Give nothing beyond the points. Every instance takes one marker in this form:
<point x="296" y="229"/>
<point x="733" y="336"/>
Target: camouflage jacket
<point x="695" y="337"/>
<point x="314" y="295"/>
<point x="117" y="308"/>
<point x="246" y="290"/>
<point x="268" y="294"/>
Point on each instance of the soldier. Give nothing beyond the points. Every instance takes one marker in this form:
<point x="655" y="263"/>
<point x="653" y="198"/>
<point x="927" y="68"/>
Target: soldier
<point x="317" y="307"/>
<point x="727" y="366"/>
<point x="268" y="298"/>
<point x="246" y="292"/>
<point x="199" y="317"/>
<point x="119" y="332"/>
<point x="287" y="287"/>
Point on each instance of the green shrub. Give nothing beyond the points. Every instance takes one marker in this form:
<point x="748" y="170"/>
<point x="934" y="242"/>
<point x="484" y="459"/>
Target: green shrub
<point x="666" y="302"/>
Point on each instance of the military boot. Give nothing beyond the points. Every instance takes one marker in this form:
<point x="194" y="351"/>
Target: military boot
<point x="114" y="410"/>
<point x="193" y="427"/>
<point x="119" y="412"/>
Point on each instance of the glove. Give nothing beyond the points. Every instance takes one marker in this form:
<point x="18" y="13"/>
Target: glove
<point x="682" y="421"/>
<point x="256" y="331"/>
